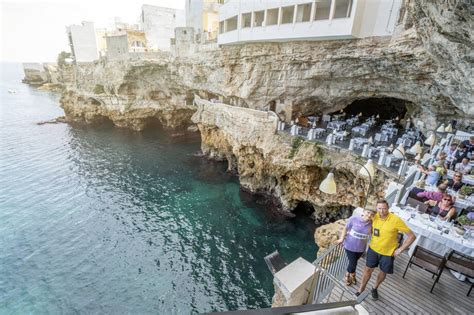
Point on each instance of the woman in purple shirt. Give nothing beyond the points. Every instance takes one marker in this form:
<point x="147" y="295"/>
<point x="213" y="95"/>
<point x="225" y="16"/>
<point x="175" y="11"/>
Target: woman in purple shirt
<point x="355" y="236"/>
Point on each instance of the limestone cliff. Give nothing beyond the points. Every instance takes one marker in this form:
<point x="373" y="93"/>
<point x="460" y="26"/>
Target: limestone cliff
<point x="289" y="169"/>
<point x="427" y="63"/>
<point x="47" y="76"/>
<point x="130" y="94"/>
<point x="326" y="235"/>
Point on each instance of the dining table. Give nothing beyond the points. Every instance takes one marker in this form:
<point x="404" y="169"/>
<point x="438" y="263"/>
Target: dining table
<point x="434" y="234"/>
<point x="337" y="125"/>
<point x="362" y="130"/>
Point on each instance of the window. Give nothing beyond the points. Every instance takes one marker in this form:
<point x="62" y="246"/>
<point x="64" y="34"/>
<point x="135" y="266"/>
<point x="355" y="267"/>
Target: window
<point x="287" y="14"/>
<point x="272" y="17"/>
<point x="323" y="8"/>
<point x="231" y="24"/>
<point x="221" y="27"/>
<point x="343" y="9"/>
<point x="184" y="32"/>
<point x="303" y="13"/>
<point x="246" y="20"/>
<point x="258" y="18"/>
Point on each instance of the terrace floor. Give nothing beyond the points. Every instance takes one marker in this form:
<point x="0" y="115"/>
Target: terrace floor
<point x="412" y="294"/>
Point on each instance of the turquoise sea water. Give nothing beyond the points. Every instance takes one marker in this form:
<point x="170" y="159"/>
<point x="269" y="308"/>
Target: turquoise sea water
<point x="107" y="220"/>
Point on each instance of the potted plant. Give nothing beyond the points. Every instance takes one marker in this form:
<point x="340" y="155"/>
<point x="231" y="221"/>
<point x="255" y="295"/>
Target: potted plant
<point x="466" y="219"/>
<point x="466" y="223"/>
<point x="465" y="191"/>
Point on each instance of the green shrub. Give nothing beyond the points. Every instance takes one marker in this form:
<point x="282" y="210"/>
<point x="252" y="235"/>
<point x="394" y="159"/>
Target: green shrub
<point x="61" y="61"/>
<point x="318" y="154"/>
<point x="466" y="190"/>
<point x="99" y="89"/>
<point x="295" y="145"/>
<point x="464" y="220"/>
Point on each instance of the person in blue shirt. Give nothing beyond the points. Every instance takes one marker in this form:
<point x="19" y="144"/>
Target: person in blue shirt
<point x="432" y="176"/>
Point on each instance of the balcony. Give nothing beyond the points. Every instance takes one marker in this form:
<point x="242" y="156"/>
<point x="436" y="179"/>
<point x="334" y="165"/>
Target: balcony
<point x="327" y="19"/>
<point x="260" y="21"/>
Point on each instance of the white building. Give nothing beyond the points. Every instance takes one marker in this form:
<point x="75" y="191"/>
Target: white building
<point x="243" y="21"/>
<point x="117" y="47"/>
<point x="159" y="23"/>
<point x="202" y="16"/>
<point x="124" y="44"/>
<point x="82" y="39"/>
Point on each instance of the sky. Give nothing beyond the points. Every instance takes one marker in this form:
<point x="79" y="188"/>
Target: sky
<point x="35" y="31"/>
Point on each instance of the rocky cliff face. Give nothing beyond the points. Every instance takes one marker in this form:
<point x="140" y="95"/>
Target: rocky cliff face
<point x="48" y="76"/>
<point x="289" y="169"/>
<point x="427" y="64"/>
<point x="130" y="94"/>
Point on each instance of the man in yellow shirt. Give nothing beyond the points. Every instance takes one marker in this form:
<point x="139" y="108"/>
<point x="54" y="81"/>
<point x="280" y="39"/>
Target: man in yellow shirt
<point x="383" y="245"/>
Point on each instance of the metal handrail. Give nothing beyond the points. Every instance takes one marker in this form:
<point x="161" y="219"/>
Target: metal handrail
<point x="293" y="309"/>
<point x="331" y="266"/>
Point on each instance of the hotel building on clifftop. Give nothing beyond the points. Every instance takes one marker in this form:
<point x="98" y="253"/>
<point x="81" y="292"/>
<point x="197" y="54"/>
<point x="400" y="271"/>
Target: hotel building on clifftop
<point x="242" y="21"/>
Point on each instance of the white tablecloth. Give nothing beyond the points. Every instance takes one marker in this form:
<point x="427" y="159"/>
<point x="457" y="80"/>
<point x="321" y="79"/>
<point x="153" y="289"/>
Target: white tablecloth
<point x="336" y="125"/>
<point x="429" y="237"/>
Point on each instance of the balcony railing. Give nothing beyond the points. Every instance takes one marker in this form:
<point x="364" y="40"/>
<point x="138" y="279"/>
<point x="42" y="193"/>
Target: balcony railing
<point x="330" y="268"/>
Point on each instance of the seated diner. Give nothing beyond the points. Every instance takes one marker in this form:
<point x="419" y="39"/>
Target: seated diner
<point x="432" y="175"/>
<point x="423" y="195"/>
<point x="464" y="167"/>
<point x="444" y="208"/>
<point x="455" y="183"/>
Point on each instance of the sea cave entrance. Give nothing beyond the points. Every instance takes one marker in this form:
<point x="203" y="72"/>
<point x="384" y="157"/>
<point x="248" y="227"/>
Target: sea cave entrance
<point x="304" y="208"/>
<point x="385" y="107"/>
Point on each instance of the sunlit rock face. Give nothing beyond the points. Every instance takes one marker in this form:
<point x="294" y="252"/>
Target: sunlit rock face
<point x="287" y="168"/>
<point x="427" y="63"/>
<point x="130" y="94"/>
<point x="327" y="235"/>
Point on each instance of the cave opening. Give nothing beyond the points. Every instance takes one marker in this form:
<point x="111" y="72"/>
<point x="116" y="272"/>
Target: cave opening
<point x="303" y="209"/>
<point x="103" y="122"/>
<point x="385" y="107"/>
<point x="272" y="106"/>
<point x="153" y="123"/>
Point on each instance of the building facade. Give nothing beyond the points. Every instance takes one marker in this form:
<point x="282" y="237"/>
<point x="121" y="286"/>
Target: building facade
<point x="82" y="40"/>
<point x="117" y="47"/>
<point x="101" y="39"/>
<point x="159" y="23"/>
<point x="242" y="21"/>
<point x="183" y="43"/>
<point x="121" y="45"/>
<point x="203" y="17"/>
